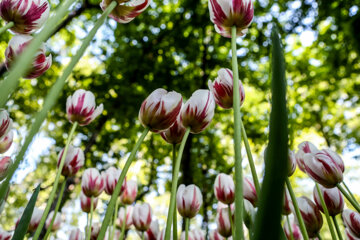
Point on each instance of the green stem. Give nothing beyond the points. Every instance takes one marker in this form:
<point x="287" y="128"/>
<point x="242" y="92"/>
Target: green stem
<point x="48" y="230"/>
<point x="349" y="191"/>
<point x="6" y="27"/>
<point x="326" y="212"/>
<point x="337" y="227"/>
<point x="115" y="195"/>
<point x="51" y="98"/>
<point x="318" y="236"/>
<point x="187" y="223"/>
<point x="87" y="224"/>
<point x="143" y="236"/>
<point x="124" y="225"/>
<point x="349" y="198"/>
<point x="297" y="210"/>
<point x="91" y="217"/>
<point x="174" y="224"/>
<point x="174" y="186"/>
<point x="56" y="183"/>
<point x="115" y="217"/>
<point x="231" y="220"/>
<point x="239" y="232"/>
<point x="289" y="226"/>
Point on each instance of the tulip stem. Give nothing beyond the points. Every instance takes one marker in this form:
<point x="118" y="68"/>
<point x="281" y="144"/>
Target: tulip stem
<point x="349" y="198"/>
<point x="239" y="232"/>
<point x="115" y="195"/>
<point x="338" y="231"/>
<point x="289" y="226"/>
<point x="48" y="230"/>
<point x="124" y="224"/>
<point x="187" y="223"/>
<point x="114" y="221"/>
<point x="6" y="27"/>
<point x="297" y="210"/>
<point x="56" y="183"/>
<point x="174" y="224"/>
<point x="91" y="217"/>
<point x="143" y="236"/>
<point x="318" y="236"/>
<point x="174" y="185"/>
<point x="326" y="212"/>
<point x="348" y="189"/>
<point x="231" y="220"/>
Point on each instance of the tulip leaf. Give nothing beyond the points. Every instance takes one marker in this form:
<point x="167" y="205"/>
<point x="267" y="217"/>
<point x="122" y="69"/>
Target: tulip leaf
<point x="23" y="225"/>
<point x="268" y="217"/>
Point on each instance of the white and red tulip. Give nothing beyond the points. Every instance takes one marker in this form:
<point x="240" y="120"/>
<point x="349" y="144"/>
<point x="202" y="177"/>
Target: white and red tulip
<point x="333" y="198"/>
<point x="188" y="200"/>
<point x="152" y="232"/>
<point x="352" y="221"/>
<point x="111" y="177"/>
<point x="175" y="133"/>
<point x="35" y="219"/>
<point x="295" y="229"/>
<point x="92" y="183"/>
<point x="57" y="222"/>
<point x="6" y="142"/>
<point x="142" y="216"/>
<point x="190" y="236"/>
<point x="76" y="234"/>
<point x="85" y="203"/>
<point x="198" y="234"/>
<point x="292" y="163"/>
<point x="223" y="223"/>
<point x="287" y="203"/>
<point x="128" y="218"/>
<point x="304" y="148"/>
<point x="130" y="191"/>
<point x="5" y="164"/>
<point x="73" y="162"/>
<point x="5" y="235"/>
<point x="249" y="214"/>
<point x="5" y="123"/>
<point x="95" y="230"/>
<point x="249" y="191"/>
<point x="215" y="235"/>
<point x="224" y="188"/>
<point x="350" y="235"/>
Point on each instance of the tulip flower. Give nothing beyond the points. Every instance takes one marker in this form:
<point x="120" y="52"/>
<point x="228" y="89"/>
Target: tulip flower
<point x="16" y="46"/>
<point x="5" y="123"/>
<point x="126" y="11"/>
<point x="5" y="163"/>
<point x="350" y="235"/>
<point x="85" y="203"/>
<point x="35" y="219"/>
<point x="142" y="216"/>
<point x="5" y="235"/>
<point x="73" y="162"/>
<point x="188" y="200"/>
<point x="291" y="164"/>
<point x="190" y="236"/>
<point x="160" y="109"/>
<point x="92" y="183"/>
<point x="6" y="141"/>
<point x="287" y="203"/>
<point x="76" y="234"/>
<point x="226" y="14"/>
<point x="198" y="234"/>
<point x="224" y="188"/>
<point x="352" y="221"/>
<point x="222" y="88"/>
<point x="152" y="232"/>
<point x="57" y="222"/>
<point x="223" y="222"/>
<point x="215" y="235"/>
<point x="130" y="191"/>
<point x="95" y="230"/>
<point x="198" y="111"/>
<point x="295" y="231"/>
<point x="333" y="198"/>
<point x="111" y="176"/>
<point x="249" y="214"/>
<point x="249" y="191"/>
<point x="127" y="218"/>
<point x="175" y="133"/>
<point x="304" y="148"/>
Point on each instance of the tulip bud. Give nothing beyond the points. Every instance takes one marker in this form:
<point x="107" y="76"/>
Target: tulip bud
<point x="5" y="163"/>
<point x="152" y="232"/>
<point x="223" y="223"/>
<point x="198" y="234"/>
<point x="74" y="161"/>
<point x="188" y="200"/>
<point x="226" y="14"/>
<point x="126" y="11"/>
<point x="160" y="109"/>
<point x="287" y="203"/>
<point x="35" y="219"/>
<point x="127" y="218"/>
<point x="129" y="194"/>
<point x="223" y="87"/>
<point x="324" y="167"/>
<point x="198" y="111"/>
<point x="249" y="214"/>
<point x="224" y="188"/>
<point x="296" y="233"/>
<point x="95" y="230"/>
<point x="190" y="236"/>
<point x="215" y="235"/>
<point x="85" y="203"/>
<point x="6" y="142"/>
<point x="333" y="200"/>
<point x="111" y="177"/>
<point x="350" y="235"/>
<point x="5" y="235"/>
<point x="56" y="224"/>
<point x="142" y="216"/>
<point x="80" y="107"/>
<point x="5" y="122"/>
<point x="92" y="183"/>
<point x="16" y="46"/>
<point x="76" y="234"/>
<point x="249" y="191"/>
<point x="291" y="164"/>
<point x="304" y="148"/>
<point x="175" y="133"/>
<point x="352" y="221"/>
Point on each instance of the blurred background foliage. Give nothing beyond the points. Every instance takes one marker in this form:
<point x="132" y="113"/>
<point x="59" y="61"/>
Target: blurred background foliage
<point x="173" y="45"/>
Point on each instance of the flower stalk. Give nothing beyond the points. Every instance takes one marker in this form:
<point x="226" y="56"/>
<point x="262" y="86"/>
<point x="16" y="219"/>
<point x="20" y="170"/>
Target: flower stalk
<point x="337" y="227"/>
<point x="349" y="191"/>
<point x="174" y="224"/>
<point x="124" y="224"/>
<point x="289" y="226"/>
<point x="6" y="27"/>
<point x="349" y="198"/>
<point x="187" y="223"/>
<point x="91" y="217"/>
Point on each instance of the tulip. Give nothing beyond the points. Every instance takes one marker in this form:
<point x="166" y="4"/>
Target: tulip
<point x="16" y="46"/>
<point x="198" y="234"/>
<point x="198" y="111"/>
<point x="5" y="163"/>
<point x="333" y="198"/>
<point x="5" y="122"/>
<point x="76" y="234"/>
<point x="215" y="235"/>
<point x="324" y="167"/>
<point x="291" y="164"/>
<point x="92" y="183"/>
<point x="74" y="161"/>
<point x="128" y="218"/>
<point x="142" y="216"/>
<point x="222" y="88"/>
<point x="80" y="107"/>
<point x="249" y="214"/>
<point x="190" y="236"/>
<point x="225" y="14"/>
<point x="126" y="11"/>
<point x="311" y="215"/>
<point x="287" y="203"/>
<point x="111" y="176"/>
<point x="224" y="188"/>
<point x="152" y="232"/>
<point x="295" y="231"/>
<point x="95" y="230"/>
<point x="129" y="194"/>
<point x="350" y="235"/>
<point x="6" y="142"/>
<point x="304" y="147"/>
<point x="117" y="235"/>
<point x="5" y="235"/>
<point x="249" y="191"/>
<point x="223" y="223"/>
<point x="352" y="221"/>
<point x="35" y="219"/>
<point x="56" y="224"/>
<point x="160" y="109"/>
<point x="188" y="200"/>
<point x="85" y="203"/>
<point x="175" y="133"/>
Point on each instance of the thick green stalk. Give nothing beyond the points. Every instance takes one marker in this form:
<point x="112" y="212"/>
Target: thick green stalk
<point x="91" y="217"/>
<point x="114" y="221"/>
<point x="56" y="182"/>
<point x="239" y="232"/>
<point x="48" y="230"/>
<point x="338" y="231"/>
<point x="326" y="212"/>
<point x="187" y="223"/>
<point x="289" y="226"/>
<point x="174" y="186"/>
<point x="349" y="198"/>
<point x="349" y="191"/>
<point x="143" y="236"/>
<point x="124" y="225"/>
<point x="174" y="224"/>
<point x="6" y="27"/>
<point x="51" y="98"/>
<point x="297" y="210"/>
<point x="115" y="195"/>
<point x="231" y="220"/>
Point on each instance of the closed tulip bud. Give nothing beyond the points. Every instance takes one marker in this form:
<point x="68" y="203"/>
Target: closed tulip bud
<point x="304" y="148"/>
<point x="35" y="219"/>
<point x="85" y="203"/>
<point x="198" y="111"/>
<point x="111" y="177"/>
<point x="296" y="233"/>
<point x="92" y="183"/>
<point x="249" y="191"/>
<point x="175" y="133"/>
<point x="74" y="161"/>
<point x="142" y="216"/>
<point x="130" y="191"/>
<point x="152" y="232"/>
<point x="5" y="122"/>
<point x="352" y="221"/>
<point x="226" y="14"/>
<point x="95" y="230"/>
<point x="6" y="142"/>
<point x="5" y="235"/>
<point x="57" y="222"/>
<point x="249" y="214"/>
<point x="324" y="168"/>
<point x="76" y="234"/>
<point x="223" y="223"/>
<point x="188" y="200"/>
<point x="198" y="234"/>
<point x="215" y="235"/>
<point x="350" y="235"/>
<point x="5" y="163"/>
<point x="287" y="203"/>
<point x="291" y="164"/>
<point x="41" y="62"/>
<point x="333" y="200"/>
<point x="128" y="218"/>
<point x="190" y="236"/>
<point x="224" y="188"/>
<point x="222" y="88"/>
<point x="160" y="109"/>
